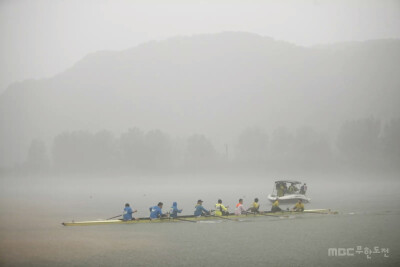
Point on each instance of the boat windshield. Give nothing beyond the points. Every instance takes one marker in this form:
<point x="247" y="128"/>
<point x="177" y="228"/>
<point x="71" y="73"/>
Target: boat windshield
<point x="287" y="187"/>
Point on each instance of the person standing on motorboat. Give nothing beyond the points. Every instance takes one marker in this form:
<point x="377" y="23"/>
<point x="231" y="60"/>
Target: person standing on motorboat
<point x="292" y="189"/>
<point x="299" y="206"/>
<point x="285" y="188"/>
<point x="303" y="189"/>
<point x="280" y="189"/>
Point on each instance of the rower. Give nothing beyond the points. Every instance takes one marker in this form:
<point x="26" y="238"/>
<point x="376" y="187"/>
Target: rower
<point x="239" y="208"/>
<point x="221" y="209"/>
<point x="127" y="215"/>
<point x="156" y="212"/>
<point x="275" y="206"/>
<point x="299" y="206"/>
<point x="174" y="210"/>
<point x="254" y="207"/>
<point x="199" y="209"/>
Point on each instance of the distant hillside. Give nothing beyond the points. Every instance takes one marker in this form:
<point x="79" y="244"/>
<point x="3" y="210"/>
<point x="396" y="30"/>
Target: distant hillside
<point x="215" y="84"/>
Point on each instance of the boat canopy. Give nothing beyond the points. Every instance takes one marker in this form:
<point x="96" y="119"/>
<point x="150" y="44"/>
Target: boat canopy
<point x="288" y="181"/>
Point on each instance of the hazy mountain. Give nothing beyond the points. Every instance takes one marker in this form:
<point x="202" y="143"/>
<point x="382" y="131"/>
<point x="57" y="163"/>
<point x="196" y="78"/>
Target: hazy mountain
<point x="215" y="84"/>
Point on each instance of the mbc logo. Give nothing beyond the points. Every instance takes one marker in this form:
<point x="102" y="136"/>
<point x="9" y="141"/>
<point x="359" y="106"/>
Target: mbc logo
<point x="341" y="252"/>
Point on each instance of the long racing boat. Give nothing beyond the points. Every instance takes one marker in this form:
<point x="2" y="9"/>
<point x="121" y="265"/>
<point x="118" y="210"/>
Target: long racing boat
<point x="194" y="219"/>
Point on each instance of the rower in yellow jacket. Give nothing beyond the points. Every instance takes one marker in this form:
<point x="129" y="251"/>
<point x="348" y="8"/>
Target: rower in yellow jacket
<point x="275" y="206"/>
<point x="221" y="209"/>
<point x="255" y="207"/>
<point x="299" y="206"/>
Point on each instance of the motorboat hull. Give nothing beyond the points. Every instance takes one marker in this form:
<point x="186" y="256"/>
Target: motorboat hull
<point x="289" y="199"/>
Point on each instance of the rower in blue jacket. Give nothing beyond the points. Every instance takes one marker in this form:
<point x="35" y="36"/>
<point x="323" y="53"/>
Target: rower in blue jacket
<point x="127" y="215"/>
<point x="199" y="209"/>
<point x="174" y="210"/>
<point x="156" y="212"/>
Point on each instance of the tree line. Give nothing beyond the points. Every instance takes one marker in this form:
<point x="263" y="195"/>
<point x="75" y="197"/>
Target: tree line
<point x="362" y="143"/>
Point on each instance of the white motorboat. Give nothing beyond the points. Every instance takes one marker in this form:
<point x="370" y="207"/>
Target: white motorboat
<point x="288" y="191"/>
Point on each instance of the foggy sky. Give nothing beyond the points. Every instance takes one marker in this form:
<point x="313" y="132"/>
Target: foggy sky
<point x="42" y="38"/>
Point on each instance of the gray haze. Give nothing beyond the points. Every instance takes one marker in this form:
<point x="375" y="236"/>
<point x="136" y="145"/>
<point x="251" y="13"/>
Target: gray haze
<point x="108" y="102"/>
<point x="152" y="86"/>
<point x="42" y="38"/>
<point x="230" y="96"/>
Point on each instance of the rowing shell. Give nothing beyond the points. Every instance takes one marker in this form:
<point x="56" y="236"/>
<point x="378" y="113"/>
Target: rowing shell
<point x="192" y="218"/>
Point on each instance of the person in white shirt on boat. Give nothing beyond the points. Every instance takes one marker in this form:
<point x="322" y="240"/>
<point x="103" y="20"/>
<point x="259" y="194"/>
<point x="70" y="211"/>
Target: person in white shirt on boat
<point x="240" y="208"/>
<point x="303" y="189"/>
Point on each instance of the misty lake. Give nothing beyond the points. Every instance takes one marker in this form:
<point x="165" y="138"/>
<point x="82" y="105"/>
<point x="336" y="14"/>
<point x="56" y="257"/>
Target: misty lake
<point x="33" y="208"/>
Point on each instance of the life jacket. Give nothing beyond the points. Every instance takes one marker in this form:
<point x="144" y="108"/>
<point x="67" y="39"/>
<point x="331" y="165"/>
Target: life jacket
<point x="299" y="206"/>
<point x="220" y="209"/>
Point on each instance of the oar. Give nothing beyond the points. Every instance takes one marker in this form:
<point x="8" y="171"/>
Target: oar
<point x="179" y="219"/>
<point x="273" y="214"/>
<point x="119" y="216"/>
<point x="320" y="212"/>
<point x="114" y="217"/>
<point x="236" y="220"/>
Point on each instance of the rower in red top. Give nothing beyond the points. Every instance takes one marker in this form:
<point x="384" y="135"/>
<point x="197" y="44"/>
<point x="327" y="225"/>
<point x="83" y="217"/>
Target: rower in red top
<point x="240" y="208"/>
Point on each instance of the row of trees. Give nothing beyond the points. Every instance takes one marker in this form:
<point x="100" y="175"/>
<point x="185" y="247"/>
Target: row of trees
<point x="359" y="143"/>
<point x="133" y="150"/>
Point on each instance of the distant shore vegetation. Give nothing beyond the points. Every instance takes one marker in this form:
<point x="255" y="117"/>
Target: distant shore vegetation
<point x="366" y="144"/>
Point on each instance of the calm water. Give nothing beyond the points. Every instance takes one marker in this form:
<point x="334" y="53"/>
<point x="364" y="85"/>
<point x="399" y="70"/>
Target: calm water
<point x="32" y="209"/>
